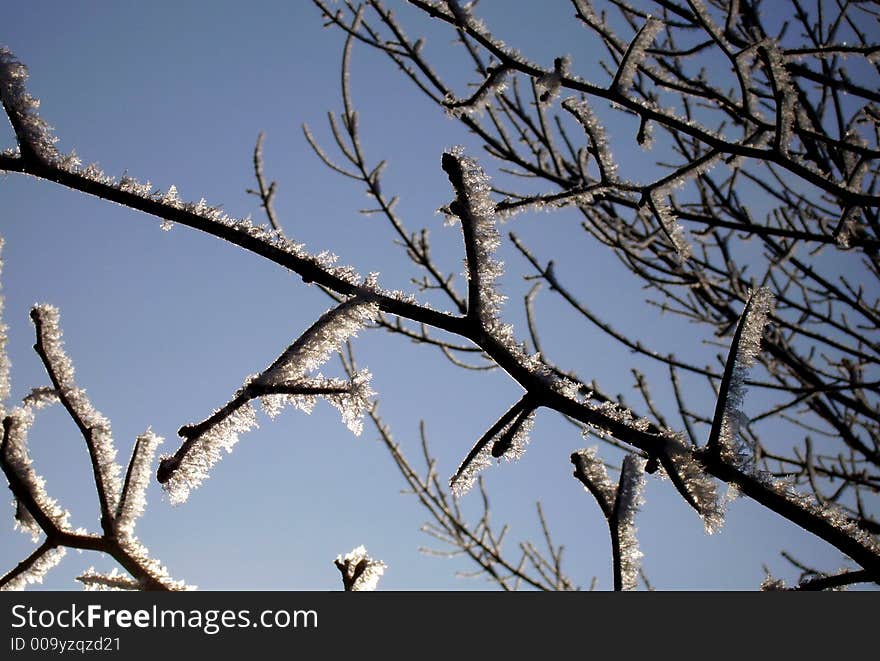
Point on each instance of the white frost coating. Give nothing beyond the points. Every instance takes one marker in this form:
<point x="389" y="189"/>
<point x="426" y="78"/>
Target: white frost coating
<point x="786" y="97"/>
<point x="830" y="512"/>
<point x="484" y="235"/>
<point x="4" y="358"/>
<point x="770" y="584"/>
<point x="308" y="352"/>
<point x="595" y="471"/>
<point x="734" y="443"/>
<point x="207" y="450"/>
<point x="100" y="440"/>
<point x="495" y="83"/>
<point x="596" y="132"/>
<point x="699" y="485"/>
<point x="585" y="8"/>
<point x="361" y="571"/>
<point x="636" y="53"/>
<point x="22" y="109"/>
<point x="515" y="437"/>
<point x="630" y="496"/>
<point x="133" y="500"/>
<point x="848" y="224"/>
<point x="671" y="226"/>
<point x="114" y="581"/>
<point x="153" y="567"/>
<point x="617" y="413"/>
<point x="550" y="83"/>
<point x="19" y="460"/>
<point x="36" y="572"/>
<point x="313" y="348"/>
<point x="351" y="403"/>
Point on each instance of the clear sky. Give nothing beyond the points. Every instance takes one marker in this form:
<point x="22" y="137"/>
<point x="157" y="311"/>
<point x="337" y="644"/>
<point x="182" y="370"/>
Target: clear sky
<point x="164" y="326"/>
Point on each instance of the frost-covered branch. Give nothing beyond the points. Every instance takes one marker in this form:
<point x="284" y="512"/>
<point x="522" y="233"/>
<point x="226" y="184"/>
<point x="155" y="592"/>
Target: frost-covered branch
<point x="283" y="382"/>
<point x="121" y="502"/>
<point x="795" y="171"/>
<point x="360" y="572"/>
<point x="619" y="503"/>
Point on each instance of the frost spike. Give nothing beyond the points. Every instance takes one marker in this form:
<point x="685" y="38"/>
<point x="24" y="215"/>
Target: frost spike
<point x="360" y="572"/>
<point x="35" y="139"/>
<point x="591" y="472"/>
<point x="692" y="482"/>
<point x="132" y="500"/>
<point x="635" y="54"/>
<point x="94" y="581"/>
<point x="4" y="358"/>
<point x="583" y="113"/>
<point x="625" y="547"/>
<point x="510" y="433"/>
<point x="744" y="347"/>
<point x="476" y="210"/>
<point x="34" y="567"/>
<point x="35" y="509"/>
<point x="204" y="442"/>
<point x="93" y="426"/>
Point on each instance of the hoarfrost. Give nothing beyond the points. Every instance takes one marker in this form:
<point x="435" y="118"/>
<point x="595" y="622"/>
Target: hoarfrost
<point x="98" y="436"/>
<point x="206" y="450"/>
<point x="18" y="459"/>
<point x="37" y="570"/>
<point x="133" y="500"/>
<point x="283" y="382"/>
<point x="636" y="53"/>
<point x="4" y="358"/>
<point x="360" y="572"/>
<point x="596" y="132"/>
<point x="506" y="441"/>
<point x="592" y="468"/>
<point x="33" y="133"/>
<point x="630" y="496"/>
<point x="670" y="225"/>
<point x="699" y="486"/>
<point x="550" y="83"/>
<point x="114" y="581"/>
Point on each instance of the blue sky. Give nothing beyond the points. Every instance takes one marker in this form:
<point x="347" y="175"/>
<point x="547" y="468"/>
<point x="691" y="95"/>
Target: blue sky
<point x="164" y="326"/>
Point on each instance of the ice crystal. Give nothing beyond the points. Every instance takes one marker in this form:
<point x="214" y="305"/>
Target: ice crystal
<point x="617" y="413"/>
<point x="784" y="91"/>
<point x="95" y="581"/>
<point x="629" y="498"/>
<point x="133" y="499"/>
<point x="283" y="382"/>
<point x="636" y="53"/>
<point x="596" y="132"/>
<point x="33" y="133"/>
<point x="748" y="346"/>
<point x="829" y="512"/>
<point x="151" y="566"/>
<point x="4" y="358"/>
<point x="592" y="469"/>
<point x="770" y="584"/>
<point x="325" y="336"/>
<point x="207" y="450"/>
<point x="476" y="211"/>
<point x="99" y="439"/>
<point x="360" y="572"/>
<point x="504" y="441"/>
<point x="671" y="227"/>
<point x="698" y="485"/>
<point x="37" y="570"/>
<point x="19" y="461"/>
<point x="550" y="83"/>
<point x="495" y="83"/>
<point x="848" y="224"/>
